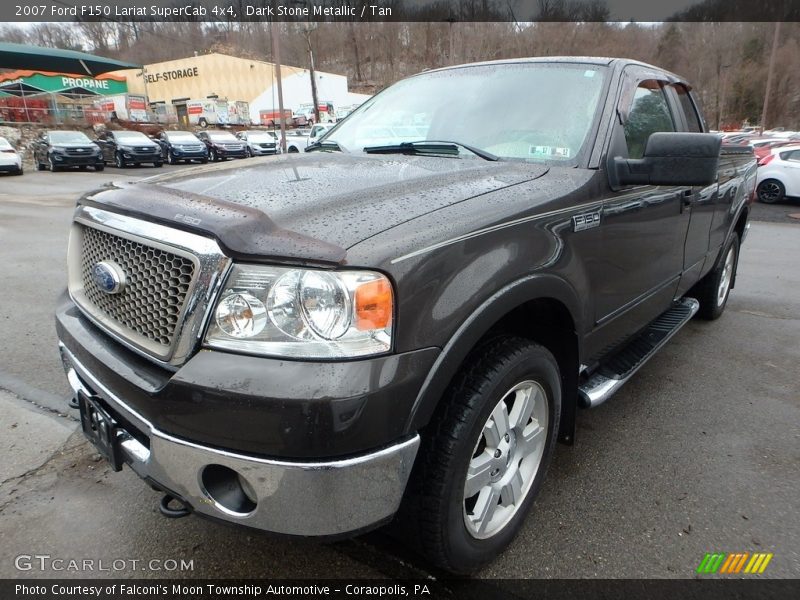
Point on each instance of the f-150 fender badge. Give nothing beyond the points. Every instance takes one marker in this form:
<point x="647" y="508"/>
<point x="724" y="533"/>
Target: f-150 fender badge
<point x="586" y="221"/>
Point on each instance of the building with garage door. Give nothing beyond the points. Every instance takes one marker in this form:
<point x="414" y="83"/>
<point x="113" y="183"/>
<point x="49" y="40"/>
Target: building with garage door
<point x="223" y="77"/>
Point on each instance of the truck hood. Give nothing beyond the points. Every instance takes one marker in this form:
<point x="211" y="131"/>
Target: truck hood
<point x="310" y="207"/>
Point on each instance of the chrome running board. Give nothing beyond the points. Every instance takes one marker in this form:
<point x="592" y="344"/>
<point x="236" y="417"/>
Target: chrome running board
<point x="617" y="370"/>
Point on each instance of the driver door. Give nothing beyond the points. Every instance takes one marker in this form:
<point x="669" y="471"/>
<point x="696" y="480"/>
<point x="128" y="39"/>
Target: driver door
<point x="643" y="227"/>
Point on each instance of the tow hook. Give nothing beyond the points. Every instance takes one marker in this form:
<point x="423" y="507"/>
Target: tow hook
<point x="173" y="513"/>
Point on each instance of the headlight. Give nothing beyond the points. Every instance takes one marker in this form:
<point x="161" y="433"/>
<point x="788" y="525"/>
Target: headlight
<point x="303" y="313"/>
<point x="126" y="148"/>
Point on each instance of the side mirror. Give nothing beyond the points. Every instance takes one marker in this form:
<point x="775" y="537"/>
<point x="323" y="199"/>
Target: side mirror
<point x="670" y="159"/>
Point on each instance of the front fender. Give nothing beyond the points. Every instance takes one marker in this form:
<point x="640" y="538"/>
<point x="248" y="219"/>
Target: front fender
<point x="476" y="325"/>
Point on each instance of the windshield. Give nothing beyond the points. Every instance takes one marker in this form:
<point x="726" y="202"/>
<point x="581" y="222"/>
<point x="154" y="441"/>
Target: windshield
<point x="222" y="136"/>
<point x="132" y="136"/>
<point x="68" y="137"/>
<point x="181" y="136"/>
<point x="534" y="111"/>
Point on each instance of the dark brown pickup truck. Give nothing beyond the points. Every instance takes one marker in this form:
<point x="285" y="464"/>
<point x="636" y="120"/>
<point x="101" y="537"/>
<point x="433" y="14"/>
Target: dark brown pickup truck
<point x="401" y="322"/>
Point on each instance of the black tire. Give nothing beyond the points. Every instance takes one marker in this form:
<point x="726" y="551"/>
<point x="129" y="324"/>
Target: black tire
<point x="249" y="152"/>
<point x="203" y="122"/>
<point x="158" y="164"/>
<point x="100" y="167"/>
<point x="770" y="191"/>
<point x="170" y="158"/>
<point x="40" y="166"/>
<point x="212" y="155"/>
<point x="51" y="166"/>
<point x="708" y="291"/>
<point x="434" y="507"/>
<point x="292" y="150"/>
<point x="19" y="171"/>
<point x="203" y="161"/>
<point x="81" y="167"/>
<point x="119" y="162"/>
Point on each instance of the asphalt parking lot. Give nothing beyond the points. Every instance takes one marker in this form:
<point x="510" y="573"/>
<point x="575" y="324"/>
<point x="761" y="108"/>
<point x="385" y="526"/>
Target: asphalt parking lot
<point x="699" y="453"/>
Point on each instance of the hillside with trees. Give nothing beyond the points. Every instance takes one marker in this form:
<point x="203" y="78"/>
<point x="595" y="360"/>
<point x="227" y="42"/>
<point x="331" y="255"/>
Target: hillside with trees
<point x="727" y="62"/>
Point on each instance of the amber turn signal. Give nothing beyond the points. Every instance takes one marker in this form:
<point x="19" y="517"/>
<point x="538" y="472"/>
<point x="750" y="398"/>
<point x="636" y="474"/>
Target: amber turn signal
<point x="373" y="305"/>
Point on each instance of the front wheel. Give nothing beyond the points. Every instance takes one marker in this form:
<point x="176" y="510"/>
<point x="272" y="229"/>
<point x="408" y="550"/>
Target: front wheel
<point x="51" y="165"/>
<point x="770" y="191"/>
<point x="484" y="455"/>
<point x="158" y="164"/>
<point x="714" y="289"/>
<point x="100" y="167"/>
<point x="119" y="162"/>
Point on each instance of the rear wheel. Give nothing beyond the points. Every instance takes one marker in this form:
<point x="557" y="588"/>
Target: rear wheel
<point x="714" y="289"/>
<point x="485" y="454"/>
<point x="771" y="191"/>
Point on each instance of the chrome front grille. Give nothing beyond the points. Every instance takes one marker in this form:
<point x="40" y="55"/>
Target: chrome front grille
<point x="169" y="281"/>
<point x="156" y="288"/>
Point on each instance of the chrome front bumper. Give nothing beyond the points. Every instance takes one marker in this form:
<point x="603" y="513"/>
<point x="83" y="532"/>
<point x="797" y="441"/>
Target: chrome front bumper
<point x="326" y="498"/>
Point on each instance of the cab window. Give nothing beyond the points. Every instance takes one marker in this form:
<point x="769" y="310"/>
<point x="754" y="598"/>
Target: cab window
<point x="649" y="113"/>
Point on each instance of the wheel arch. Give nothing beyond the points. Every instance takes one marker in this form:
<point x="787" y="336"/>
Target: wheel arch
<point x="543" y="308"/>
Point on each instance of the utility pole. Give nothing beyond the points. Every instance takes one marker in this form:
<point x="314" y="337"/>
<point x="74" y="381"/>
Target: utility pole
<point x="770" y="72"/>
<point x="276" y="52"/>
<point x="307" y="31"/>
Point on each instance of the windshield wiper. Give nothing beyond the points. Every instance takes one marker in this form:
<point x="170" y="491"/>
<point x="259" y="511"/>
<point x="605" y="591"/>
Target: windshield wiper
<point x="445" y="147"/>
<point x="323" y="145"/>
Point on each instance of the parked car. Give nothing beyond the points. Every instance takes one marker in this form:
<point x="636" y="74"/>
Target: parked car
<point x="298" y="140"/>
<point x="58" y="149"/>
<point x="763" y="147"/>
<point x="125" y="148"/>
<point x="259" y="143"/>
<point x="403" y="326"/>
<point x="779" y="174"/>
<point x="10" y="160"/>
<point x="182" y="146"/>
<point x="222" y="145"/>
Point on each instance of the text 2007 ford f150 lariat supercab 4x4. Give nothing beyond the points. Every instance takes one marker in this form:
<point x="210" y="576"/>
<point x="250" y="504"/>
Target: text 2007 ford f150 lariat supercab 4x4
<point x="402" y="322"/>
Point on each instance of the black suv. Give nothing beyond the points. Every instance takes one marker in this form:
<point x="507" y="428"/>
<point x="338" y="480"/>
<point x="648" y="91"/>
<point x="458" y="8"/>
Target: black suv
<point x="223" y="145"/>
<point x="124" y="148"/>
<point x="56" y="150"/>
<point x="182" y="146"/>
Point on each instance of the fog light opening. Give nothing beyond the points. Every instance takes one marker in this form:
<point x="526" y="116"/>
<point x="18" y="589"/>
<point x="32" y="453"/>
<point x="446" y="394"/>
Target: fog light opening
<point x="229" y="490"/>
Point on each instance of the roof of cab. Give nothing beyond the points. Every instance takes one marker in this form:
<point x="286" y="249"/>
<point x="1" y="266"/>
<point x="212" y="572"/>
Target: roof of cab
<point x="602" y="61"/>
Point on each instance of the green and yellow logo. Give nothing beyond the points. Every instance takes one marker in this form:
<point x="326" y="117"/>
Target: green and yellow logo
<point x="735" y="562"/>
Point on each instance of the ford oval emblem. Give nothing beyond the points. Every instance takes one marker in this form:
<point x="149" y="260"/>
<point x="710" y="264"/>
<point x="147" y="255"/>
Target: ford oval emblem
<point x="108" y="277"/>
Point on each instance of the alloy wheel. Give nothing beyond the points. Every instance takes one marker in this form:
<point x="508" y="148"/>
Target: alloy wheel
<point x="506" y="459"/>
<point x="725" y="279"/>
